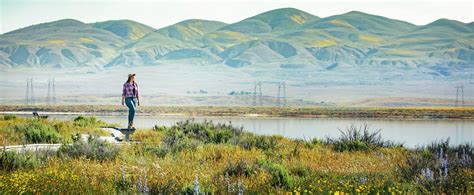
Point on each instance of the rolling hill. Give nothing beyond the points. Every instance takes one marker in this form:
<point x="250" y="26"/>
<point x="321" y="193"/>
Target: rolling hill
<point x="126" y="29"/>
<point x="284" y="39"/>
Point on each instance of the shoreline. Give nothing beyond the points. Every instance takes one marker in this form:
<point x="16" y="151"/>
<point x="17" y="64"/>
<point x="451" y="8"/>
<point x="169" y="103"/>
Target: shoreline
<point x="388" y="113"/>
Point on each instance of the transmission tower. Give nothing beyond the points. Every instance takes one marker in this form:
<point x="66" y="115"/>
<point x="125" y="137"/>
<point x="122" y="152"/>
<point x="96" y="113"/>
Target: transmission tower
<point x="32" y="92"/>
<point x="459" y="92"/>
<point x="279" y="94"/>
<point x="254" y="103"/>
<point x="51" y="96"/>
<point x="284" y="93"/>
<point x="54" y="92"/>
<point x="29" y="94"/>
<point x="48" y="97"/>
<point x="260" y="92"/>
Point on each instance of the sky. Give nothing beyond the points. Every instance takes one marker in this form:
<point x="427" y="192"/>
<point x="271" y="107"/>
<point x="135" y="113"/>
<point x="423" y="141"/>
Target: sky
<point x="160" y="13"/>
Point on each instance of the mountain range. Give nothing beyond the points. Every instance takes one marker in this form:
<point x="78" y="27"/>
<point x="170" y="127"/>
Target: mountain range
<point x="286" y="38"/>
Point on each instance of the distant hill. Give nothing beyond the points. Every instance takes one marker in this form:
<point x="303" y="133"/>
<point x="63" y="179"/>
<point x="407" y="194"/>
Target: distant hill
<point x="63" y="43"/>
<point x="287" y="39"/>
<point x="275" y="20"/>
<point x="127" y="29"/>
<point x="189" y="29"/>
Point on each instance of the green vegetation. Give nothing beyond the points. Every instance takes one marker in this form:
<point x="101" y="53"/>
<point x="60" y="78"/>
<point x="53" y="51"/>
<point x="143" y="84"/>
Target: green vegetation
<point x="359" y="139"/>
<point x="93" y="149"/>
<point x="15" y="130"/>
<point x="222" y="158"/>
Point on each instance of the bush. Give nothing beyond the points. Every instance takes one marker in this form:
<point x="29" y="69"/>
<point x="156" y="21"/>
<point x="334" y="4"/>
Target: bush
<point x="160" y="128"/>
<point x="11" y="160"/>
<point x="94" y="149"/>
<point x="9" y="117"/>
<point x="240" y="168"/>
<point x="206" y="131"/>
<point x="359" y="139"/>
<point x="280" y="175"/>
<point x="249" y="141"/>
<point x="83" y="121"/>
<point x="158" y="151"/>
<point x="37" y="132"/>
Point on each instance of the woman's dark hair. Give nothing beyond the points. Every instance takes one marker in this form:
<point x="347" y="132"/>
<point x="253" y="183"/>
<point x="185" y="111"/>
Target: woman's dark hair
<point x="130" y="77"/>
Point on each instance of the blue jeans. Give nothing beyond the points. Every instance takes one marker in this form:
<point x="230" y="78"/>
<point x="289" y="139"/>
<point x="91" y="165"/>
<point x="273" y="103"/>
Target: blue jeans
<point x="131" y="103"/>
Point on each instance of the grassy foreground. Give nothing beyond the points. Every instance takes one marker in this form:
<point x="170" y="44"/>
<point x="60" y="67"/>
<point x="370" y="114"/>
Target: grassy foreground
<point x="311" y="112"/>
<point x="220" y="158"/>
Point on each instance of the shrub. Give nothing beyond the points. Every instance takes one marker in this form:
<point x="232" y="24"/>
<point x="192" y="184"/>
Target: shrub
<point x="158" y="151"/>
<point x="280" y="175"/>
<point x="249" y="140"/>
<point x="37" y="132"/>
<point x="160" y="128"/>
<point x="94" y="149"/>
<point x="83" y="121"/>
<point x="206" y="131"/>
<point x="9" y="117"/>
<point x="11" y="160"/>
<point x="240" y="168"/>
<point x="359" y="139"/>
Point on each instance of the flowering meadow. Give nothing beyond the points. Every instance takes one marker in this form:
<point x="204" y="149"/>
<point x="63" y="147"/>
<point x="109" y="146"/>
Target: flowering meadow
<point x="207" y="157"/>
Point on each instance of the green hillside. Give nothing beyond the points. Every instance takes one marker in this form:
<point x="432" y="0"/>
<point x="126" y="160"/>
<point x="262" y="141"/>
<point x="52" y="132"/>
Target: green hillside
<point x="274" y="20"/>
<point x="283" y="39"/>
<point x="127" y="29"/>
<point x="189" y="29"/>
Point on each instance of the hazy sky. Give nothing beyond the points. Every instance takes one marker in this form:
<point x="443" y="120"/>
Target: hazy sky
<point x="159" y="13"/>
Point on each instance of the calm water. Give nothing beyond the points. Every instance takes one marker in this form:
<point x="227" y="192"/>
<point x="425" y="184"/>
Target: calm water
<point x="410" y="132"/>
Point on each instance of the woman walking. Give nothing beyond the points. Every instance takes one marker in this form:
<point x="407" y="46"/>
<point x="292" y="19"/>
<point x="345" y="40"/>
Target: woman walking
<point x="130" y="98"/>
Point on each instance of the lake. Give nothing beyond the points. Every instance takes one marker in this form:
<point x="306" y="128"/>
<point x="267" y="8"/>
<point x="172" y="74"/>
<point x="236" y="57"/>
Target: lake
<point x="410" y="132"/>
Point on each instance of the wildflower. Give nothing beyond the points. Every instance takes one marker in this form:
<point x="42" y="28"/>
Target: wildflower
<point x="227" y="181"/>
<point x="427" y="174"/>
<point x="241" y="188"/>
<point x="139" y="184"/>
<point x="196" y="185"/>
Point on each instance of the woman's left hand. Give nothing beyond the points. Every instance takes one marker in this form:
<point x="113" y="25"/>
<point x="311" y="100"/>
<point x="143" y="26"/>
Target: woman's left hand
<point x="138" y="103"/>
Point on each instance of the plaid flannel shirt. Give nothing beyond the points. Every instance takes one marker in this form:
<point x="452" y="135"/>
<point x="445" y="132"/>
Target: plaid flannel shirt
<point x="130" y="89"/>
